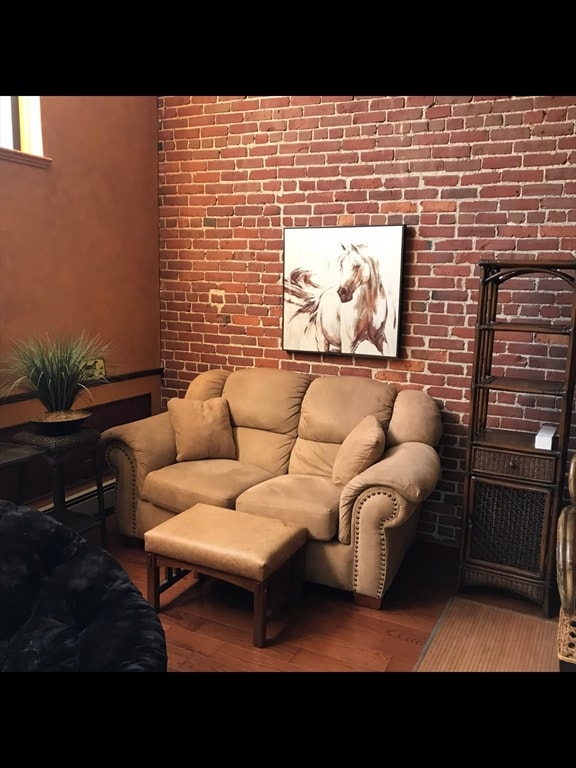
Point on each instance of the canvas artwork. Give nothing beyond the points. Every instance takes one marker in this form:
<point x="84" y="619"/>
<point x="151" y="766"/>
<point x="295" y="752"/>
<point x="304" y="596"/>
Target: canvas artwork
<point x="342" y="290"/>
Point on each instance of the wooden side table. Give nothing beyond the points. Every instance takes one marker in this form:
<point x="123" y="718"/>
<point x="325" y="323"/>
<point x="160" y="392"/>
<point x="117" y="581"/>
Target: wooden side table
<point x="55" y="449"/>
<point x="17" y="455"/>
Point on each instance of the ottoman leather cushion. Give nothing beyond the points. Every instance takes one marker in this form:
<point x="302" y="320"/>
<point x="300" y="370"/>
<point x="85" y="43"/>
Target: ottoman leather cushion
<point x="226" y="540"/>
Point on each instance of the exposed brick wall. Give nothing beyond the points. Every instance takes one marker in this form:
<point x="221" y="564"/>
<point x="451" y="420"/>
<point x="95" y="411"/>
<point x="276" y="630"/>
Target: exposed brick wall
<point x="468" y="176"/>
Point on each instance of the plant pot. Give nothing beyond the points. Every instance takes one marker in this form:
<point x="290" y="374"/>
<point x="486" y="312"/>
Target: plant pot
<point x="61" y="422"/>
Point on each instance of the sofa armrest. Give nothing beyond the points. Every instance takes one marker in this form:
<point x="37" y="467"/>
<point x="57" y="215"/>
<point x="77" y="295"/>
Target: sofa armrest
<point x="133" y="450"/>
<point x="151" y="440"/>
<point x="410" y="469"/>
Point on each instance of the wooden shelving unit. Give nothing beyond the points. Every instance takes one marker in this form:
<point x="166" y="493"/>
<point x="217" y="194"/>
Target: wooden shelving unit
<point x="513" y="490"/>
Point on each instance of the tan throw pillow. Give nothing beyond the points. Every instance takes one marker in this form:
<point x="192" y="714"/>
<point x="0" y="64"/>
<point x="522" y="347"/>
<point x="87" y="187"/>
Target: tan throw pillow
<point x="202" y="428"/>
<point x="361" y="448"/>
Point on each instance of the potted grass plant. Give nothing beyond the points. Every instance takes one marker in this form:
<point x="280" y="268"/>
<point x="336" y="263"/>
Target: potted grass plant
<point x="57" y="371"/>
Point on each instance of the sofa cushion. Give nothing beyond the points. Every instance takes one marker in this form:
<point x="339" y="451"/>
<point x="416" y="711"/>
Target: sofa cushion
<point x="202" y="429"/>
<point x="307" y="500"/>
<point x="331" y="408"/>
<point x="207" y="384"/>
<point x="404" y="427"/>
<point x="210" y="481"/>
<point x="264" y="408"/>
<point x="361" y="448"/>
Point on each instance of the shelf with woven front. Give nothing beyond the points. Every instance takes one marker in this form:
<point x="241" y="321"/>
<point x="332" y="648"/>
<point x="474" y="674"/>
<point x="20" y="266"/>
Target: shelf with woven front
<point x="513" y="490"/>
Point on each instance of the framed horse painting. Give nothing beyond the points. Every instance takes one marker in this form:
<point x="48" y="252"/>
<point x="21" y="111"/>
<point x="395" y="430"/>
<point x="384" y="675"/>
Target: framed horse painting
<point x="342" y="290"/>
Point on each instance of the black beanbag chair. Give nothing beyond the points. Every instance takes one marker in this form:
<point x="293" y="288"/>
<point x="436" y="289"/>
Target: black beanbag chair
<point x="67" y="605"/>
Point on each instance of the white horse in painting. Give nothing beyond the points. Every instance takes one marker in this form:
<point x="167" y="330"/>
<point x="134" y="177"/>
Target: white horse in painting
<point x="353" y="310"/>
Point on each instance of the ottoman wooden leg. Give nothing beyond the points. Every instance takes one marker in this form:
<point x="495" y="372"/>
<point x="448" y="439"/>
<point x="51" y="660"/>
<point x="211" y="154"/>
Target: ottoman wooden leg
<point x="260" y="611"/>
<point x="153" y="582"/>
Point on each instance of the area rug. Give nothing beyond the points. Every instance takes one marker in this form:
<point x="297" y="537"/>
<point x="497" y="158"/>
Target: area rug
<point x="472" y="637"/>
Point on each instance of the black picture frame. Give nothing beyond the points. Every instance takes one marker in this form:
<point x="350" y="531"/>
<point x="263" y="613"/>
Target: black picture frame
<point x="342" y="290"/>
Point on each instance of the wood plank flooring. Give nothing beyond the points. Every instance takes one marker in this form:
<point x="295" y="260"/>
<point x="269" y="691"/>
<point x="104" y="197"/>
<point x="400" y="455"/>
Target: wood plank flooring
<point x="208" y="626"/>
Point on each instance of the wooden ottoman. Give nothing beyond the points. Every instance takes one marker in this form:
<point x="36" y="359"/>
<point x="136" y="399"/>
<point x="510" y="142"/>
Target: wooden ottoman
<point x="243" y="549"/>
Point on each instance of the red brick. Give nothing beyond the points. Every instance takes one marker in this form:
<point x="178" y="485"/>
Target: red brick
<point x="467" y="175"/>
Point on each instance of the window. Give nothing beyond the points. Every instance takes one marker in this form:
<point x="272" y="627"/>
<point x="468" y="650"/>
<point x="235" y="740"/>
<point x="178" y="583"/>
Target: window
<point x="21" y="129"/>
<point x="9" y="125"/>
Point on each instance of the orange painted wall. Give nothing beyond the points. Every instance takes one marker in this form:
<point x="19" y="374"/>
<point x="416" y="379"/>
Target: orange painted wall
<point x="79" y="238"/>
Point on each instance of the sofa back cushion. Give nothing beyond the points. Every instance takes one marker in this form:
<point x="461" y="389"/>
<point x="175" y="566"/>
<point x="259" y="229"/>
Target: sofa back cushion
<point x="207" y="384"/>
<point x="416" y="419"/>
<point x="331" y="408"/>
<point x="265" y="408"/>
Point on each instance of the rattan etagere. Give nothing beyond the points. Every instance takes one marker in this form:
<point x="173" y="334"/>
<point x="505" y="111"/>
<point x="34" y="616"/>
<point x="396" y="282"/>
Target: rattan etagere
<point x="513" y="490"/>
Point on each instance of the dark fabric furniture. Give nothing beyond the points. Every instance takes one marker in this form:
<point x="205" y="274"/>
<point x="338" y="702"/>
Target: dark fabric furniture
<point x="67" y="605"/>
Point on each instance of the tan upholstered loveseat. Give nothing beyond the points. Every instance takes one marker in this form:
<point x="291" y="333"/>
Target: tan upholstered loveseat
<point x="348" y="457"/>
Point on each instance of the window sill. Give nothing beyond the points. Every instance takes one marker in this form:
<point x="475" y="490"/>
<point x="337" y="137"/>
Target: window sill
<point x="15" y="156"/>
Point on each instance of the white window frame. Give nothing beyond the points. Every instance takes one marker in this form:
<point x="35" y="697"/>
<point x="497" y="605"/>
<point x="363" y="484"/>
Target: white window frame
<point x="29" y="130"/>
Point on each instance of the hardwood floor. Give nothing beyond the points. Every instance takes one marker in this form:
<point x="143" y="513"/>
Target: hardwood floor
<point x="209" y="627"/>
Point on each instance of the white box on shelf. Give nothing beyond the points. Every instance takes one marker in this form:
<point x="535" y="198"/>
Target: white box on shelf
<point x="545" y="437"/>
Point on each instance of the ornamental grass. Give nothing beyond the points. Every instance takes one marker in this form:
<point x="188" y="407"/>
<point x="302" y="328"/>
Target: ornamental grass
<point x="55" y="369"/>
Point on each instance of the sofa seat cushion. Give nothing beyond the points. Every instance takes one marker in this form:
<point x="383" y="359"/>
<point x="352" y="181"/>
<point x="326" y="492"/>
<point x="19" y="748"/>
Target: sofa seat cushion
<point x="307" y="500"/>
<point x="209" y="481"/>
